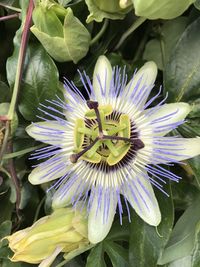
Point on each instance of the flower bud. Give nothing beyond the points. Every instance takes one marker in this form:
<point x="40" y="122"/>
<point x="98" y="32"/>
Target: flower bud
<point x="113" y="9"/>
<point x="63" y="36"/>
<point x="164" y="9"/>
<point x="65" y="230"/>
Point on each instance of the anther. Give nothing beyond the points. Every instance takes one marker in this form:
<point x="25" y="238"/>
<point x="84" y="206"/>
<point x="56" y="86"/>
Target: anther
<point x="92" y="104"/>
<point x="138" y="144"/>
<point x="74" y="157"/>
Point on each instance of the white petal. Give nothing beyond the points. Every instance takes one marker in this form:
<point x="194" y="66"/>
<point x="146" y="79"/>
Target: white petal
<point x="47" y="132"/>
<point x="184" y="148"/>
<point x="48" y="171"/>
<point x="141" y="196"/>
<point x="63" y="197"/>
<point x="141" y="83"/>
<point x="102" y="78"/>
<point x="98" y="223"/>
<point x="164" y="118"/>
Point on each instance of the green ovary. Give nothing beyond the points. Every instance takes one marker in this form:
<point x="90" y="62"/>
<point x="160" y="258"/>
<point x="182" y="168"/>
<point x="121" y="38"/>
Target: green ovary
<point x="110" y="151"/>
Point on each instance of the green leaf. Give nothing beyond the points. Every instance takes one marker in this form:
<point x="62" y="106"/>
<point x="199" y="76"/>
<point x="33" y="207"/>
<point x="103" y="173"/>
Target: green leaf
<point x="117" y="254"/>
<point x="194" y="164"/>
<point x="183" y="262"/>
<point x="119" y="232"/>
<point x="6" y="207"/>
<point x="170" y="34"/>
<point x="146" y="243"/>
<point x="196" y="249"/>
<point x="197" y="4"/>
<point x="5" y="92"/>
<point x="76" y="36"/>
<point x="64" y="2"/>
<point x="182" y="238"/>
<point x="96" y="257"/>
<point x="5" y="228"/>
<point x="40" y="81"/>
<point x="182" y="76"/>
<point x="11" y="64"/>
<point x="184" y="193"/>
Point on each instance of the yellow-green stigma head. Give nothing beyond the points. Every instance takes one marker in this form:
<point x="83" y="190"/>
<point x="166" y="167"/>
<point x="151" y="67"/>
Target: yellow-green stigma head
<point x="104" y="137"/>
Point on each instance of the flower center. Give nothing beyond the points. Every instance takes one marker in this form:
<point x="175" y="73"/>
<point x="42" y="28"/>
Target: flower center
<point x="103" y="136"/>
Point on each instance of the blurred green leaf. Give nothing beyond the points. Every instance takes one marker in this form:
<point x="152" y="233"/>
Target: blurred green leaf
<point x="40" y="82"/>
<point x="194" y="164"/>
<point x="182" y="76"/>
<point x="182" y="238"/>
<point x="146" y="243"/>
<point x="6" y="207"/>
<point x="117" y="254"/>
<point x="184" y="193"/>
<point x="64" y="2"/>
<point x="196" y="249"/>
<point x="5" y="92"/>
<point x="170" y="33"/>
<point x="5" y="228"/>
<point x="96" y="257"/>
<point x="197" y="4"/>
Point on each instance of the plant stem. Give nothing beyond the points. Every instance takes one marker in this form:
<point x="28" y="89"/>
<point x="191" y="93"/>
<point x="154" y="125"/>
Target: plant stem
<point x="162" y="47"/>
<point x="14" y="179"/>
<point x="5" y="140"/>
<point x="100" y="33"/>
<point x="22" y="51"/>
<point x="133" y="27"/>
<point x="38" y="209"/>
<point x="12" y="16"/>
<point x="10" y="7"/>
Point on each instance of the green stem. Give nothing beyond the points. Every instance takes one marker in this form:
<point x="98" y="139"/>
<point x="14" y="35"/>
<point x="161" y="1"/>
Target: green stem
<point x="100" y="33"/>
<point x="21" y="152"/>
<point x="162" y="47"/>
<point x="5" y="171"/>
<point x="22" y="51"/>
<point x="5" y="140"/>
<point x="38" y="209"/>
<point x="11" y="7"/>
<point x="133" y="27"/>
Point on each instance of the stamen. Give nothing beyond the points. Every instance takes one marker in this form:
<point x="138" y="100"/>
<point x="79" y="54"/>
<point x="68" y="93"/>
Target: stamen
<point x="74" y="157"/>
<point x="94" y="105"/>
<point x="110" y="137"/>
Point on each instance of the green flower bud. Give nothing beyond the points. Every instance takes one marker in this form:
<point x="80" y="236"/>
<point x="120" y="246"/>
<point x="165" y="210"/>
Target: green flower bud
<point x="65" y="230"/>
<point x="108" y="6"/>
<point x="47" y="21"/>
<point x="113" y="9"/>
<point x="164" y="9"/>
<point x="63" y="36"/>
